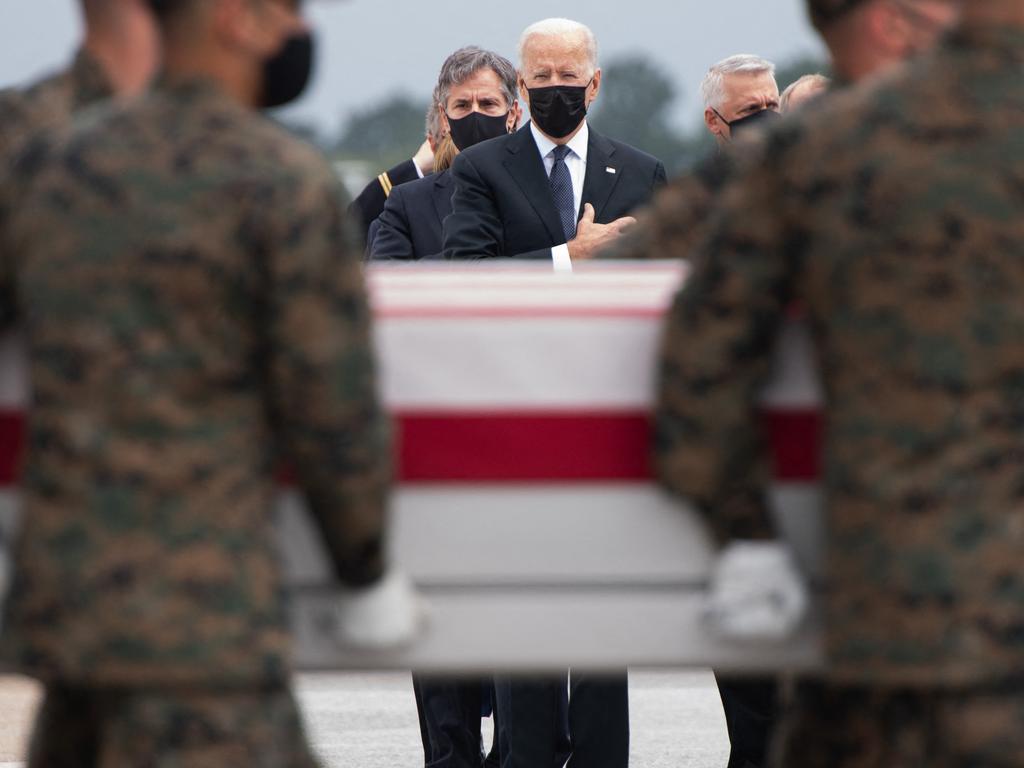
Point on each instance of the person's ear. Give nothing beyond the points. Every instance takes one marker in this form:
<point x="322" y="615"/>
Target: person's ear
<point x="712" y="121"/>
<point x="595" y="87"/>
<point x="524" y="92"/>
<point x="889" y="28"/>
<point x="514" y="116"/>
<point x="237" y="25"/>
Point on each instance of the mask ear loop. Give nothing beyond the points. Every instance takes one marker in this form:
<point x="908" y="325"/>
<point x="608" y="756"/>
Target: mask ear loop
<point x="719" y="114"/>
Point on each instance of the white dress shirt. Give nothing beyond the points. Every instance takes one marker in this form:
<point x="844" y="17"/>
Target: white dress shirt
<point x="576" y="162"/>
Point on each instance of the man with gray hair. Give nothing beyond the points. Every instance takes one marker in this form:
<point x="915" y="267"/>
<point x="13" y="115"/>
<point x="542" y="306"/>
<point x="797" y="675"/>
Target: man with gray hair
<point x="474" y="100"/>
<point x="555" y="190"/>
<point x="739" y="92"/>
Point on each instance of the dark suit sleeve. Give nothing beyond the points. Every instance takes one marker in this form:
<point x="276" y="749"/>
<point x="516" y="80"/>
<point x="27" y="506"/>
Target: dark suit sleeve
<point x="370" y="203"/>
<point x="474" y="229"/>
<point x="393" y="239"/>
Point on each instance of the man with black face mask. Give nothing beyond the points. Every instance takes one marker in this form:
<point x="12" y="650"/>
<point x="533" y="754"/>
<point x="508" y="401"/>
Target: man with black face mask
<point x="556" y="190"/>
<point x="739" y="93"/>
<point x="196" y="313"/>
<point x="476" y="98"/>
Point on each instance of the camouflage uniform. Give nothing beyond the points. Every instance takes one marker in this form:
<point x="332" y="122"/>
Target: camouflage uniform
<point x="677" y="217"/>
<point x="194" y="312"/>
<point x="49" y="103"/>
<point x="895" y="216"/>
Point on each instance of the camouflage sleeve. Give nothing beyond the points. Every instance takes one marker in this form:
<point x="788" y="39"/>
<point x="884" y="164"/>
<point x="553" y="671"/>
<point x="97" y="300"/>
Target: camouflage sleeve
<point x="8" y="313"/>
<point x="716" y="355"/>
<point x="322" y="379"/>
<point x="672" y="226"/>
<point x="7" y="131"/>
<point x="14" y="174"/>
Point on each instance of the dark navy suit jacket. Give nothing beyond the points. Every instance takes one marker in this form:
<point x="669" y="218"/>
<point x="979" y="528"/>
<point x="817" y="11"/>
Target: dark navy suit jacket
<point x="503" y="207"/>
<point x="410" y="226"/>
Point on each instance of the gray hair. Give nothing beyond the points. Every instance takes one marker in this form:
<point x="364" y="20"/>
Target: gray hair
<point x="820" y="81"/>
<point x="712" y="90"/>
<point x="434" y="128"/>
<point x="465" y="63"/>
<point x="561" y="28"/>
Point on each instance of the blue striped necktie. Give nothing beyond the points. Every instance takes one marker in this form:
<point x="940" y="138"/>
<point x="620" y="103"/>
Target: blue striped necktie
<point x="561" y="190"/>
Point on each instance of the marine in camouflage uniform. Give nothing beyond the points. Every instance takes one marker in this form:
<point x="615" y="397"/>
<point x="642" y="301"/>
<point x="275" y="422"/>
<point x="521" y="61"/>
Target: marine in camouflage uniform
<point x="895" y="216"/>
<point x="195" y="312"/>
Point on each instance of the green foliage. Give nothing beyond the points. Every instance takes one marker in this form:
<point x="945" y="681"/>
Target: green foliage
<point x="386" y="133"/>
<point x="634" y="107"/>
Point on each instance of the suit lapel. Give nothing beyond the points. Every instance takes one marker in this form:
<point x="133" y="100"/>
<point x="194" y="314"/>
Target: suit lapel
<point x="600" y="182"/>
<point x="525" y="166"/>
<point x="443" y="195"/>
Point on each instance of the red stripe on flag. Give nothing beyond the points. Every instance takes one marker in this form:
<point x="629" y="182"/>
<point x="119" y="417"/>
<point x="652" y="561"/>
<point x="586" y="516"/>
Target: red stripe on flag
<point x="566" y="447"/>
<point x="524" y="447"/>
<point x="796" y="438"/>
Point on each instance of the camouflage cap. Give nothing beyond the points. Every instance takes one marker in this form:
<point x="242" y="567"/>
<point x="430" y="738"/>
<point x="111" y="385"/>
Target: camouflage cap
<point x="824" y="12"/>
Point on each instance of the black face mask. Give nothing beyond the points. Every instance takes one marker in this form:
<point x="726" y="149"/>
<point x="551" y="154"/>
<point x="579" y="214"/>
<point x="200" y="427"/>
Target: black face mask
<point x="742" y="124"/>
<point x="287" y="73"/>
<point x="559" y="109"/>
<point x="476" y="127"/>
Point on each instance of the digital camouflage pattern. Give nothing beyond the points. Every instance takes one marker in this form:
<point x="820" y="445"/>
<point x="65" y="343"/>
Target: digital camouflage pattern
<point x="824" y="12"/>
<point x="194" y="312"/>
<point x="857" y="727"/>
<point x="895" y="217"/>
<point x="678" y="216"/>
<point x="85" y="728"/>
<point x="49" y="103"/>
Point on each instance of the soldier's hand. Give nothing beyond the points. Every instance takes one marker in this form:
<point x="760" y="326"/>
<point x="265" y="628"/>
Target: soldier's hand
<point x="388" y="614"/>
<point x="757" y="592"/>
<point x="592" y="237"/>
<point x="424" y="159"/>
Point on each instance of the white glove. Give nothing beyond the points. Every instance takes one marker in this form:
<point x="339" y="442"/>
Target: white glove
<point x="388" y="614"/>
<point x="756" y="592"/>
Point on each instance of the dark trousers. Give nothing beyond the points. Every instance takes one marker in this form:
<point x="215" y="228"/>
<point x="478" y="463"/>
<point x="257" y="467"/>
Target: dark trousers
<point x="541" y="732"/>
<point x="84" y="727"/>
<point x="751" y="712"/>
<point x="450" y="712"/>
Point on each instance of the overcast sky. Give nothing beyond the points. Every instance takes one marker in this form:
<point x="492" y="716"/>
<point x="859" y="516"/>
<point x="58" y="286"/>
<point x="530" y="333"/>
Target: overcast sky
<point x="370" y="49"/>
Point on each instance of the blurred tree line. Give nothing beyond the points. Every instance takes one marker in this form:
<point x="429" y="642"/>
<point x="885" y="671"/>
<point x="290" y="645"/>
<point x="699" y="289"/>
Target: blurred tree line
<point x="636" y="106"/>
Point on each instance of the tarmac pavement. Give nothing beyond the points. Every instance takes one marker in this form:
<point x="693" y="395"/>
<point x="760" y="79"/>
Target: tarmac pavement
<point x="369" y="720"/>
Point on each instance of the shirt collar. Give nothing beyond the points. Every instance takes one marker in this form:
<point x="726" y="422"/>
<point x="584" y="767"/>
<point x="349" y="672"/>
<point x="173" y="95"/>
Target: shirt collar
<point x="579" y="144"/>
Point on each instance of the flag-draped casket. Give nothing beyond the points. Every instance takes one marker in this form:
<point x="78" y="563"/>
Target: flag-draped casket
<point x="526" y="508"/>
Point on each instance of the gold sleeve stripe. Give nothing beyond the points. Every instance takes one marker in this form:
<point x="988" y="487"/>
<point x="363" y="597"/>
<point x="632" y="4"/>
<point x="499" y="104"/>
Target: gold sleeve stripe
<point x="385" y="182"/>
